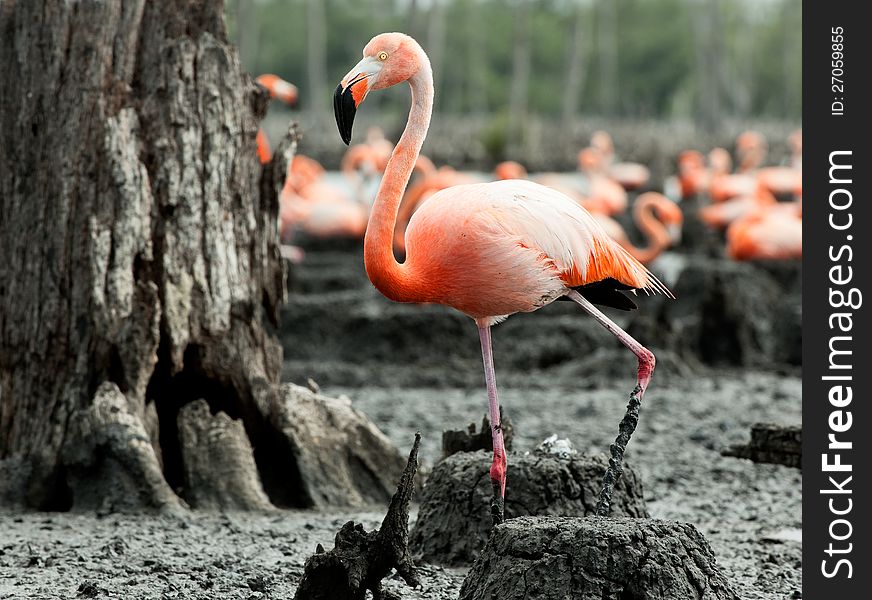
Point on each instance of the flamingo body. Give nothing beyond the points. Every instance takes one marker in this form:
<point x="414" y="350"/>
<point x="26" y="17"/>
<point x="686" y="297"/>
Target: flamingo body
<point x="769" y="235"/>
<point x="524" y="243"/>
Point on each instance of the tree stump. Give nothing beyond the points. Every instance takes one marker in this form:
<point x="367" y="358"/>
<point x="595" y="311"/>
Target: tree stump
<point x="111" y="465"/>
<point x="732" y="314"/>
<point x="218" y="462"/>
<point x="331" y="451"/>
<point x="458" y="440"/>
<point x="359" y="559"/>
<point x="554" y="558"/>
<point x="454" y="520"/>
<point x="776" y="444"/>
<point x="139" y="241"/>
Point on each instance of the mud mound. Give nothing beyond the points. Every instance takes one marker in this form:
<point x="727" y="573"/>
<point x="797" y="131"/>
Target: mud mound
<point x="728" y="314"/>
<point x="454" y="519"/>
<point x="552" y="558"/>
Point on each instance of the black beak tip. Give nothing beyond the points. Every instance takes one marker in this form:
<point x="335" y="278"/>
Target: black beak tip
<point x="344" y="111"/>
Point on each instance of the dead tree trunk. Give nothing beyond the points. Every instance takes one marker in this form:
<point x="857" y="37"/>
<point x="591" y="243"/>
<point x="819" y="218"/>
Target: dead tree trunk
<point x="140" y="264"/>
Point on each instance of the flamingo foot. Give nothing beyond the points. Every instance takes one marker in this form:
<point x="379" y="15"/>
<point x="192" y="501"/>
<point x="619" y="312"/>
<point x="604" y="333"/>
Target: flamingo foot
<point x="616" y="460"/>
<point x="498" y="482"/>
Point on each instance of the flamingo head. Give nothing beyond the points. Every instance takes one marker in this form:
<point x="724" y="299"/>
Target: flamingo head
<point x="590" y="159"/>
<point x="602" y="141"/>
<point x="720" y="160"/>
<point x="388" y="59"/>
<point x="278" y="88"/>
<point x="510" y="169"/>
<point x="690" y="160"/>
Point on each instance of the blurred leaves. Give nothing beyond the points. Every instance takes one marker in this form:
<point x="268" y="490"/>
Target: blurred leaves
<point x="706" y="60"/>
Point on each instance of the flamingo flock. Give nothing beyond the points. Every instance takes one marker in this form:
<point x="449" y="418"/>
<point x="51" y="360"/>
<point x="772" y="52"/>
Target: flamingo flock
<point x="743" y="202"/>
<point x="759" y="208"/>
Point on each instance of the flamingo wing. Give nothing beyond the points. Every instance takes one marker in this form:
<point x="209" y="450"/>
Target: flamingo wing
<point x="530" y="243"/>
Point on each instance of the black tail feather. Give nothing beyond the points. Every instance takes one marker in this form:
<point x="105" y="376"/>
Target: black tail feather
<point x="606" y="293"/>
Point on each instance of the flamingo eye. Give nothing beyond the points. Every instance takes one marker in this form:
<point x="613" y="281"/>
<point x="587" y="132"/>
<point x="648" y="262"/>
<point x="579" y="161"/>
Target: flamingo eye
<point x="382" y="56"/>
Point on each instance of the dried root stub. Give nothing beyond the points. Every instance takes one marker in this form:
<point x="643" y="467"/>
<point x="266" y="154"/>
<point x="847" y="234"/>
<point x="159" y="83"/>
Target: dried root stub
<point x="359" y="559"/>
<point x="454" y="520"/>
<point x="776" y="444"/>
<point x="470" y="440"/>
<point x="595" y="558"/>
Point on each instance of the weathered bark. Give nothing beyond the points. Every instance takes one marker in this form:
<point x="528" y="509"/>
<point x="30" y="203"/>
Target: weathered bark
<point x="220" y="472"/>
<point x="454" y="520"/>
<point x="139" y="240"/>
<point x="470" y="440"/>
<point x="338" y="456"/>
<point x="776" y="444"/>
<point x="552" y="558"/>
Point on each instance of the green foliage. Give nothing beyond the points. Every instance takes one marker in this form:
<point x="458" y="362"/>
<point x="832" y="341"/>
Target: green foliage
<point x="659" y="44"/>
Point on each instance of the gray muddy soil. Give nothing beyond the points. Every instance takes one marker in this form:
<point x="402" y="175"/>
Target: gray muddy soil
<point x="750" y="513"/>
<point x="413" y="368"/>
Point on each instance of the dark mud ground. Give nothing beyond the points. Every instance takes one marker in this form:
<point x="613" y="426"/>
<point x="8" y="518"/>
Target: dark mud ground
<point x="750" y="513"/>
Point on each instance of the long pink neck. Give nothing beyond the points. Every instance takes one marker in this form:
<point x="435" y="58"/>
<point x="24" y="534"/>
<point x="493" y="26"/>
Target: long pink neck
<point x="395" y="280"/>
<point x="652" y="229"/>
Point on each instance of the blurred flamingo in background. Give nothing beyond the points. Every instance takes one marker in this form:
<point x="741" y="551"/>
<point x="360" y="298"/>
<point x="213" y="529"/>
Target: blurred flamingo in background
<point x="658" y="218"/>
<point x="629" y="175"/>
<point x="318" y="208"/>
<point x="693" y="176"/>
<point x="785" y="180"/>
<point x="720" y="215"/>
<point x="723" y="184"/>
<point x="769" y="233"/>
<point x="751" y="150"/>
<point x="602" y="189"/>
<point x="278" y="89"/>
<point x="488" y="250"/>
<point x="370" y="157"/>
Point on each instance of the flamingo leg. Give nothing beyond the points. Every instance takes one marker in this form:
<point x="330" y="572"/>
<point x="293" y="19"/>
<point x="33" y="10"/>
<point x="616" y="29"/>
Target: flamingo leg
<point x="498" y="466"/>
<point x="631" y="418"/>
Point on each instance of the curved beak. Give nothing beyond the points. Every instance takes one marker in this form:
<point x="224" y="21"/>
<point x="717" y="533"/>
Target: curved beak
<point x="350" y="92"/>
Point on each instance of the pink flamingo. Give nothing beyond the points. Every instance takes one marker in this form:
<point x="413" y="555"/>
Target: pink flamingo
<point x="488" y="250"/>
<point x="629" y="175"/>
<point x="771" y="233"/>
<point x="751" y="150"/>
<point x="429" y="183"/>
<point x="602" y="189"/>
<point x="657" y="217"/>
<point x="318" y="208"/>
<point x="511" y="169"/>
<point x="693" y="176"/>
<point x="278" y="89"/>
<point x="724" y="184"/>
<point x="721" y="214"/>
